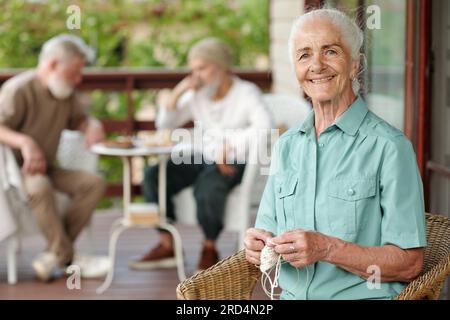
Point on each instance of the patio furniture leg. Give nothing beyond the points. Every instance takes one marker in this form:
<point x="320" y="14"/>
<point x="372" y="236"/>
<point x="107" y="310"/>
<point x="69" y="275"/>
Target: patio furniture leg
<point x="118" y="222"/>
<point x="162" y="188"/>
<point x="13" y="243"/>
<point x="178" y="249"/>
<point x="90" y="238"/>
<point x="19" y="245"/>
<point x="241" y="238"/>
<point x="112" y="256"/>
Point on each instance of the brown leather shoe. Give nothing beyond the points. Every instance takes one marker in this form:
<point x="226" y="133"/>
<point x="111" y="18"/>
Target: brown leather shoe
<point x="208" y="258"/>
<point x="158" y="257"/>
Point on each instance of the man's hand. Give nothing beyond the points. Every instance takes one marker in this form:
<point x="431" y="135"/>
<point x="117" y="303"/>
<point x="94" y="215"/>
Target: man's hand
<point x="93" y="132"/>
<point x="255" y="240"/>
<point x="188" y="83"/>
<point x="221" y="162"/>
<point x="226" y="169"/>
<point x="33" y="158"/>
<point x="301" y="248"/>
<point x="184" y="85"/>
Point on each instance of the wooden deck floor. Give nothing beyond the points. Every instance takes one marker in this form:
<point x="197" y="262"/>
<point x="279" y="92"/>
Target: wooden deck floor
<point x="127" y="283"/>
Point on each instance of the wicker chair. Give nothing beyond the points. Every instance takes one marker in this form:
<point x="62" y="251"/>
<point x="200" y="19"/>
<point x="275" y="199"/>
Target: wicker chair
<point x="235" y="278"/>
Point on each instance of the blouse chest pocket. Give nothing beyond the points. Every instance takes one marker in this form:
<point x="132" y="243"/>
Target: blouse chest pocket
<point x="347" y="199"/>
<point x="286" y="188"/>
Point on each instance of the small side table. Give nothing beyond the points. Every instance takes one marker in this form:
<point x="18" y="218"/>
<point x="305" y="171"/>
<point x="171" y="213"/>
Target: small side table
<point x="124" y="223"/>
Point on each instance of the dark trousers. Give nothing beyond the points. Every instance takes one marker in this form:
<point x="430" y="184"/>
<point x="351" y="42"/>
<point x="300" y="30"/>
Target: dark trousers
<point x="210" y="190"/>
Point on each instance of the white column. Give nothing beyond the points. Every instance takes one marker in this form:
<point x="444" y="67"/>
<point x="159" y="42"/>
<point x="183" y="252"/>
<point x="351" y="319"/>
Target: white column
<point x="282" y="14"/>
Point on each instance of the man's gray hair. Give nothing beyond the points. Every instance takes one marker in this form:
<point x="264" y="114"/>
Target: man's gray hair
<point x="213" y="50"/>
<point x="65" y="47"/>
<point x="352" y="35"/>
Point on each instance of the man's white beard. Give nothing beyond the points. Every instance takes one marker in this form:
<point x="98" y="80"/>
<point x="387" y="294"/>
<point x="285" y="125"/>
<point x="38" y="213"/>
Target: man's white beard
<point x="58" y="87"/>
<point x="210" y="89"/>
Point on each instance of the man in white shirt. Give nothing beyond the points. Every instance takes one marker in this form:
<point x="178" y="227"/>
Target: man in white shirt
<point x="230" y="112"/>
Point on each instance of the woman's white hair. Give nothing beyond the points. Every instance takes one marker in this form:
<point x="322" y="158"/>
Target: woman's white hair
<point x="352" y="35"/>
<point x="65" y="47"/>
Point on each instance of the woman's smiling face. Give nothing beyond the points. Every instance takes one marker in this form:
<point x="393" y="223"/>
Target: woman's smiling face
<point x="323" y="63"/>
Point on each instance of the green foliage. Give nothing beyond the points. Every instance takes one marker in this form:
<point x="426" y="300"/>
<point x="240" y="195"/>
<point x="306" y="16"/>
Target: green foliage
<point x="131" y="33"/>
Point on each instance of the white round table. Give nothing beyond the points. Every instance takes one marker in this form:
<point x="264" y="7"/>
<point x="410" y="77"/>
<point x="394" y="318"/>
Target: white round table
<point x="125" y="222"/>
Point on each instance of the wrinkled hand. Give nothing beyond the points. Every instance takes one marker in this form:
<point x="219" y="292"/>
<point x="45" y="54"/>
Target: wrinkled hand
<point x="301" y="248"/>
<point x="254" y="242"/>
<point x="33" y="158"/>
<point x="94" y="132"/>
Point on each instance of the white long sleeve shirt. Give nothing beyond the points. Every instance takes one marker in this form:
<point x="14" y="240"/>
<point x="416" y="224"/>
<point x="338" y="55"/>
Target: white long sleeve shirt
<point x="236" y="119"/>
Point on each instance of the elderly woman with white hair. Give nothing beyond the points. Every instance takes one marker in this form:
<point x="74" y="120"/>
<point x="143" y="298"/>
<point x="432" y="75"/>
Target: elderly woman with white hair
<point x="228" y="112"/>
<point x="343" y="205"/>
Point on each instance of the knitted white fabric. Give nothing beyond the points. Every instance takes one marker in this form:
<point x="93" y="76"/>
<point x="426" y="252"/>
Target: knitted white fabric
<point x="270" y="260"/>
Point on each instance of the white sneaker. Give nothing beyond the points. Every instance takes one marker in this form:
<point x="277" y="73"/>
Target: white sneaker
<point x="92" y="266"/>
<point x="45" y="266"/>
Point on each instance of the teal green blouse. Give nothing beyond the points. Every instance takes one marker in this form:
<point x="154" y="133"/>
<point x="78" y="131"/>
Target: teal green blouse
<point x="359" y="182"/>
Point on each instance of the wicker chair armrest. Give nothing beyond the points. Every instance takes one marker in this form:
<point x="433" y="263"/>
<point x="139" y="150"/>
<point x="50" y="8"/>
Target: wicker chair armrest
<point x="428" y="285"/>
<point x="233" y="278"/>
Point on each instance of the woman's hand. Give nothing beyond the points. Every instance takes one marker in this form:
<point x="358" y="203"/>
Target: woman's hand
<point x="255" y="240"/>
<point x="301" y="248"/>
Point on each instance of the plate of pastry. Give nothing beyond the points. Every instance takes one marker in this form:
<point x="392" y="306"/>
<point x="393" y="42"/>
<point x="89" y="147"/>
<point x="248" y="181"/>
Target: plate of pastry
<point x="119" y="142"/>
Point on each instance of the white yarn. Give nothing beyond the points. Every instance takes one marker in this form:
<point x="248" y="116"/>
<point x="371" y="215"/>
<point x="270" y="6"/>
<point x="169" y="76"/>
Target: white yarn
<point x="270" y="260"/>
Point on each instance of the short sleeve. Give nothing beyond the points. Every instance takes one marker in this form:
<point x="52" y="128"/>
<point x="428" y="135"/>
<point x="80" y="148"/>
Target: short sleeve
<point x="401" y="196"/>
<point x="12" y="107"/>
<point x="78" y="114"/>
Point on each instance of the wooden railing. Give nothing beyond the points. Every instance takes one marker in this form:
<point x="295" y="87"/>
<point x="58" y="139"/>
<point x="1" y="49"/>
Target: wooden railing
<point x="129" y="80"/>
